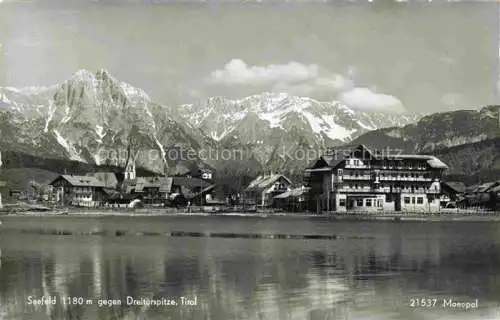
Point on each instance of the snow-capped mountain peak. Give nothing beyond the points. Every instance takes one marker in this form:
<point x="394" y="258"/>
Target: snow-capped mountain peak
<point x="219" y="117"/>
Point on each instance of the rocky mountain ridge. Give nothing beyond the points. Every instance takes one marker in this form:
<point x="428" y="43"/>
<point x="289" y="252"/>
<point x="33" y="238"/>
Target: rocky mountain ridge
<point x="95" y="118"/>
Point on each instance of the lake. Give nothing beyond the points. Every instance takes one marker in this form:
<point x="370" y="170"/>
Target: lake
<point x="365" y="270"/>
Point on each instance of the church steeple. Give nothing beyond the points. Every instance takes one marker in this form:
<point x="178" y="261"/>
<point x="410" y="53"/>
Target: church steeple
<point x="130" y="173"/>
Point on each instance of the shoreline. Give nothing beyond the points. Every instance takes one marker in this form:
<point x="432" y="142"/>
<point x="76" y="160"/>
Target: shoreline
<point x="362" y="216"/>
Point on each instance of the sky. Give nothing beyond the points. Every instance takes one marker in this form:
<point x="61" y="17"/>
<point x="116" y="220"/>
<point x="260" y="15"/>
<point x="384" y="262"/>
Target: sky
<point x="417" y="56"/>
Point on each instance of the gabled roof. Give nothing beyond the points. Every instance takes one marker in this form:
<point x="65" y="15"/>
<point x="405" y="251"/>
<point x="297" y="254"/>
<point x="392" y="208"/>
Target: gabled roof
<point x="434" y="162"/>
<point x="80" y="181"/>
<point x="297" y="192"/>
<point x="327" y="161"/>
<point x="109" y="178"/>
<point x="265" y="181"/>
<point x="458" y="187"/>
<point x="487" y="186"/>
<point x="484" y="187"/>
<point x="139" y="184"/>
<point x="362" y="152"/>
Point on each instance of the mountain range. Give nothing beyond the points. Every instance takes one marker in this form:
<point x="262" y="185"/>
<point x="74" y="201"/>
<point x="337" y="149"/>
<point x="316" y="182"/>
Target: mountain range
<point x="95" y="119"/>
<point x="437" y="131"/>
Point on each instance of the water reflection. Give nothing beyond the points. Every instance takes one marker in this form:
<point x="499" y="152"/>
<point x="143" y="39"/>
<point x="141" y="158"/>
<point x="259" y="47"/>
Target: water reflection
<point x="352" y="278"/>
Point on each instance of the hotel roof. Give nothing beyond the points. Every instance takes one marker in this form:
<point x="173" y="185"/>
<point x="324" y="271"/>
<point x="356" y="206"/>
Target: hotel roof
<point x="362" y="152"/>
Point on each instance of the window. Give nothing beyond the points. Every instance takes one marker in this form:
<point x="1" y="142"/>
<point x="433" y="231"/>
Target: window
<point x="356" y="186"/>
<point x="340" y="172"/>
<point x="379" y="203"/>
<point x="368" y="202"/>
<point x="356" y="162"/>
<point x="359" y="203"/>
<point x="413" y="200"/>
<point x="407" y="200"/>
<point x="420" y="200"/>
<point x="342" y="202"/>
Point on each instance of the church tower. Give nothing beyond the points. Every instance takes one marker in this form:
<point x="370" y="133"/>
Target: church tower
<point x="130" y="173"/>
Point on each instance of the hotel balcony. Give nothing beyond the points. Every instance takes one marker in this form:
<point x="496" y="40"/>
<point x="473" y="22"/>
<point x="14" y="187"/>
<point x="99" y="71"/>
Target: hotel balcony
<point x="359" y="166"/>
<point x="356" y="177"/>
<point x="384" y="190"/>
<point x="400" y="178"/>
<point x="360" y="190"/>
<point x="412" y="168"/>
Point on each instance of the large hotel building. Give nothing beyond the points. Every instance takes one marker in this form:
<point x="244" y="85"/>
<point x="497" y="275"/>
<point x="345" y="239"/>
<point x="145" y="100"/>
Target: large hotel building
<point x="362" y="180"/>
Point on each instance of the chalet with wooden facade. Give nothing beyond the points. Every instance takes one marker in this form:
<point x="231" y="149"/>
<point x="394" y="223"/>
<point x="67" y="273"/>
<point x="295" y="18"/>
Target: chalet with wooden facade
<point x="264" y="188"/>
<point x="361" y="180"/>
<point x="80" y="191"/>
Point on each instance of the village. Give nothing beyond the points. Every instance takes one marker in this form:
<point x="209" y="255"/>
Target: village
<point x="360" y="181"/>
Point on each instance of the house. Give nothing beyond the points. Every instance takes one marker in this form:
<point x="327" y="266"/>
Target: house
<point x="151" y="189"/>
<point x="482" y="195"/>
<point x="453" y="189"/>
<point x="177" y="190"/>
<point x="451" y="193"/>
<point x="262" y="190"/>
<point x="362" y="180"/>
<point x="292" y="200"/>
<point x="195" y="190"/>
<point x="81" y="191"/>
